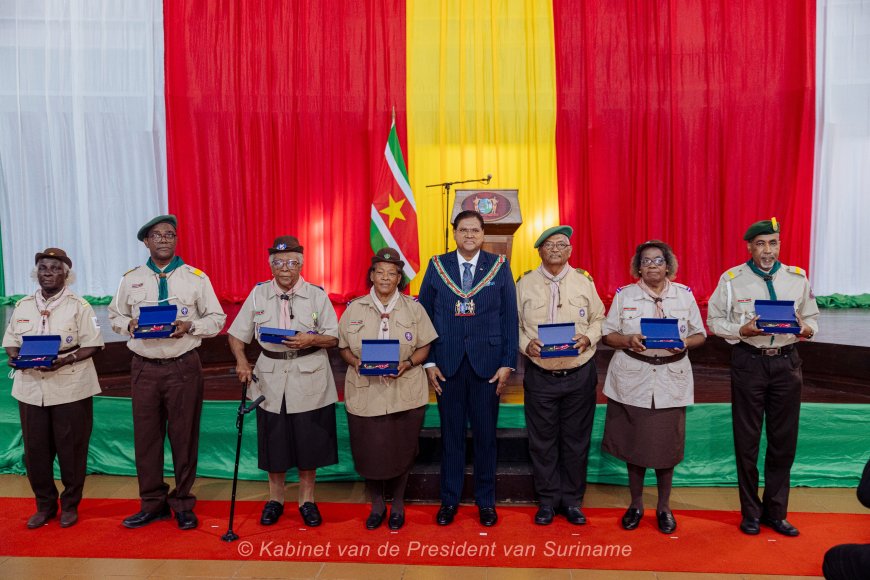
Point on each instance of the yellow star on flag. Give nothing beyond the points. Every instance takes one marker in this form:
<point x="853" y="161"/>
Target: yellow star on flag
<point x="394" y="210"/>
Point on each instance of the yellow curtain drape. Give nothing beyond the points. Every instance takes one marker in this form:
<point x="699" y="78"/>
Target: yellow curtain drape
<point x="481" y="90"/>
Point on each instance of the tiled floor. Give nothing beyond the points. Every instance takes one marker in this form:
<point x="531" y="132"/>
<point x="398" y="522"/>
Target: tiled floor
<point x="802" y="499"/>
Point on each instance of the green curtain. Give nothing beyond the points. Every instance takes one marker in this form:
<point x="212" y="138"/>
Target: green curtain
<point x="833" y="446"/>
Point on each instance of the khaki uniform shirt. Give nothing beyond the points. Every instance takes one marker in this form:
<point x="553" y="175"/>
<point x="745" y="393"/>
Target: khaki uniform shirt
<point x="733" y="303"/>
<point x="74" y="320"/>
<point x="304" y="383"/>
<point x="371" y="396"/>
<point x="189" y="289"/>
<point x="637" y="383"/>
<point x="580" y="305"/>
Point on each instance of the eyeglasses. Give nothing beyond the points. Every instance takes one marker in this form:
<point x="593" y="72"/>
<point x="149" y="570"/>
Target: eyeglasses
<point x="555" y="246"/>
<point x="157" y="236"/>
<point x="658" y="261"/>
<point x="291" y="264"/>
<point x="470" y="231"/>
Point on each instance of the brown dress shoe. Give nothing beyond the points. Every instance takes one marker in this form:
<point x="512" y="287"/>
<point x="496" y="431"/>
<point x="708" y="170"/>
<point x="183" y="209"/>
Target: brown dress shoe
<point x="39" y="519"/>
<point x="68" y="518"/>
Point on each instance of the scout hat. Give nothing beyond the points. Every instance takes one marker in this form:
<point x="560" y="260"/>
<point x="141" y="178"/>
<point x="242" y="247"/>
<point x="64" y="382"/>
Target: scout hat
<point x="389" y="255"/>
<point x="762" y="228"/>
<point x="161" y="219"/>
<point x="55" y="253"/>
<point x="567" y="230"/>
<point x="285" y="244"/>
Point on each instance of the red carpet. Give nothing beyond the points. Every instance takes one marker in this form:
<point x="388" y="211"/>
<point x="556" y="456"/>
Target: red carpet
<point x="706" y="541"/>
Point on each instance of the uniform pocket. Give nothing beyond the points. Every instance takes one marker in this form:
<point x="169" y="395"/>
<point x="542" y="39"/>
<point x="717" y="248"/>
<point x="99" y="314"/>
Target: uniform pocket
<point x="312" y="373"/>
<point x="69" y="336"/>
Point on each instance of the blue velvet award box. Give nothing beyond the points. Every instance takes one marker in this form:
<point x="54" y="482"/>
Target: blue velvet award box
<point x="661" y="333"/>
<point x="156" y="321"/>
<point x="379" y="357"/>
<point x="38" y="351"/>
<point x="557" y="339"/>
<point x="776" y="317"/>
<point x="275" y="335"/>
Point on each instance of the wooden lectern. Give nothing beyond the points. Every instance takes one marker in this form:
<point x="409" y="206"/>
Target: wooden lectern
<point x="500" y="209"/>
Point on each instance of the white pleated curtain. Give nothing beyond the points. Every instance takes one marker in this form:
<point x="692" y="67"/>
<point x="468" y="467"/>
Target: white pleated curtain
<point x="841" y="204"/>
<point x="82" y="135"/>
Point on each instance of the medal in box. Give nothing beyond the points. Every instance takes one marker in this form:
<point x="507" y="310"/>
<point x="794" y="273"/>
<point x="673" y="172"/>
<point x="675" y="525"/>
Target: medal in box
<point x="379" y="357"/>
<point x="661" y="333"/>
<point x="275" y="335"/>
<point x="38" y="351"/>
<point x="558" y="340"/>
<point x="776" y="317"/>
<point x="156" y="321"/>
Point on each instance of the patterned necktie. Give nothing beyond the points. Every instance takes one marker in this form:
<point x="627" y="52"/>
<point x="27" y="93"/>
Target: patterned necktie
<point x="466" y="276"/>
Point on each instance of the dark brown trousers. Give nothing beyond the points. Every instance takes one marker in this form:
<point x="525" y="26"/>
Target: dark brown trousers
<point x="166" y="398"/>
<point x="61" y="431"/>
<point x="768" y="389"/>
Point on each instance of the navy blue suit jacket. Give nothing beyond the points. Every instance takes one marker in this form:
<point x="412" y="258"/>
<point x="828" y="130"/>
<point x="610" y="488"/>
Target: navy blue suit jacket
<point x="490" y="338"/>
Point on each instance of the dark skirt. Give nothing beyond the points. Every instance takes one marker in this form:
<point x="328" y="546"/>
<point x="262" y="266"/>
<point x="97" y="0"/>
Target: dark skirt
<point x="385" y="446"/>
<point x="654" y="438"/>
<point x="303" y="440"/>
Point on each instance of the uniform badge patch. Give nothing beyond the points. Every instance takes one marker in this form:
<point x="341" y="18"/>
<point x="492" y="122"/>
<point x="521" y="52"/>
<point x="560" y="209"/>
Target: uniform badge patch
<point x="355" y="322"/>
<point x="68" y="339"/>
<point x="683" y="329"/>
<point x="408" y="336"/>
<point x="281" y="247"/>
<point x="582" y="313"/>
<point x="184" y="311"/>
<point x="139" y="285"/>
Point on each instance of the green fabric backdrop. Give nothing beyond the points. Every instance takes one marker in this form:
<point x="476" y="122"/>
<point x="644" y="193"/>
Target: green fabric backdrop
<point x="833" y="446"/>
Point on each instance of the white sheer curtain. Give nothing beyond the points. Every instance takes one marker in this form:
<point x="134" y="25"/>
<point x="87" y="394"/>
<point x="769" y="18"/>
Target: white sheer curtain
<point x="82" y="135"/>
<point x="841" y="204"/>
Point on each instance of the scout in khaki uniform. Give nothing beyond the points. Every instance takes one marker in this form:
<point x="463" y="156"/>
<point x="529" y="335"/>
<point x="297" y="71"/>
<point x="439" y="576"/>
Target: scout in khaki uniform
<point x="55" y="403"/>
<point x="385" y="414"/>
<point x="296" y="422"/>
<point x="559" y="392"/>
<point x="766" y="375"/>
<point x="166" y="373"/>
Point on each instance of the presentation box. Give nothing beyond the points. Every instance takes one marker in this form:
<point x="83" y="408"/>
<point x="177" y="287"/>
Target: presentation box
<point x="275" y="335"/>
<point x="661" y="333"/>
<point x="558" y="340"/>
<point x="38" y="351"/>
<point x="776" y="317"/>
<point x="379" y="357"/>
<point x="156" y="321"/>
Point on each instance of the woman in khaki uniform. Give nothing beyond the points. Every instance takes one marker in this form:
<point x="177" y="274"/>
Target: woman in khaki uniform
<point x="55" y="403"/>
<point x="385" y="414"/>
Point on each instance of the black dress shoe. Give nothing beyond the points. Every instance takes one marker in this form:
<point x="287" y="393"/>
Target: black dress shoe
<point x="271" y="512"/>
<point x="749" y="526"/>
<point x="488" y="517"/>
<point x="68" y="518"/>
<point x="631" y="518"/>
<point x="374" y="520"/>
<point x="545" y="515"/>
<point x="397" y="520"/>
<point x="140" y="519"/>
<point x="310" y="514"/>
<point x="667" y="523"/>
<point x="780" y="527"/>
<point x="446" y="513"/>
<point x="39" y="519"/>
<point x="186" y="520"/>
<point x="575" y="515"/>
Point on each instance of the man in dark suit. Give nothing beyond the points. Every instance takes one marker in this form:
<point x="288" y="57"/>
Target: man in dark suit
<point x="471" y="298"/>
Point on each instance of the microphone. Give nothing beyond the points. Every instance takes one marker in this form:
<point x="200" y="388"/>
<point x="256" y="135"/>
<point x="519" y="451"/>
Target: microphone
<point x="254" y="404"/>
<point x="488" y="177"/>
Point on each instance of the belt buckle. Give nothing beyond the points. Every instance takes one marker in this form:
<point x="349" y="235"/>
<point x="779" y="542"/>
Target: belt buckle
<point x="770" y="351"/>
<point x="560" y="373"/>
<point x="291" y="354"/>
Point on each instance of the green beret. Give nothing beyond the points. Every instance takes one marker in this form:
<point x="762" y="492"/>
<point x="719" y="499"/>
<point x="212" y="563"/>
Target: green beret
<point x="762" y="228"/>
<point x="161" y="219"/>
<point x="567" y="230"/>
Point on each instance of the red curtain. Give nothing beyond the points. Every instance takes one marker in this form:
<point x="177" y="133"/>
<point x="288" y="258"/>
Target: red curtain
<point x="685" y="121"/>
<point x="277" y="116"/>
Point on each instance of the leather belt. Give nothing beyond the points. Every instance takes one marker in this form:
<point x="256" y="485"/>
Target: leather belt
<point x="290" y="354"/>
<point x="161" y="361"/>
<point x="656" y="360"/>
<point x="560" y="372"/>
<point x="774" y="351"/>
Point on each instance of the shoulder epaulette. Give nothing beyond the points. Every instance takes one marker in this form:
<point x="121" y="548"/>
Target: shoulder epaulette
<point x="523" y="274"/>
<point x="797" y="270"/>
<point x="621" y="288"/>
<point x="682" y="286"/>
<point x="585" y="273"/>
<point x="195" y="271"/>
<point x="732" y="273"/>
<point x="352" y="300"/>
<point x="263" y="282"/>
<point x="130" y="270"/>
<point x="321" y="287"/>
<point x="20" y="300"/>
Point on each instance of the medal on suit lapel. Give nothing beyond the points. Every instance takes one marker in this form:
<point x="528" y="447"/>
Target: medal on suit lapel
<point x="465" y="306"/>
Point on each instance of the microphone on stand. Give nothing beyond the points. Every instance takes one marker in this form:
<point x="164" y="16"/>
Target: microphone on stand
<point x="488" y="177"/>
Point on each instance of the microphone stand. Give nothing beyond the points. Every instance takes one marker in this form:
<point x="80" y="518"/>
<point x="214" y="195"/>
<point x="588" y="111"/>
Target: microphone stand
<point x="446" y="186"/>
<point x="244" y="409"/>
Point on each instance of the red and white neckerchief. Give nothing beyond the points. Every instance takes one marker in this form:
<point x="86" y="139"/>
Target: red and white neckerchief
<point x="385" y="310"/>
<point x="46" y="306"/>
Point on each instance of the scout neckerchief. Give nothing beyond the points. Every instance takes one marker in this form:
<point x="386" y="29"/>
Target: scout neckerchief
<point x="555" y="296"/>
<point x="385" y="310"/>
<point x="163" y="275"/>
<point x="46" y="306"/>
<point x="286" y="299"/>
<point x="766" y="276"/>
<point x="465" y="307"/>
<point x="657" y="298"/>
